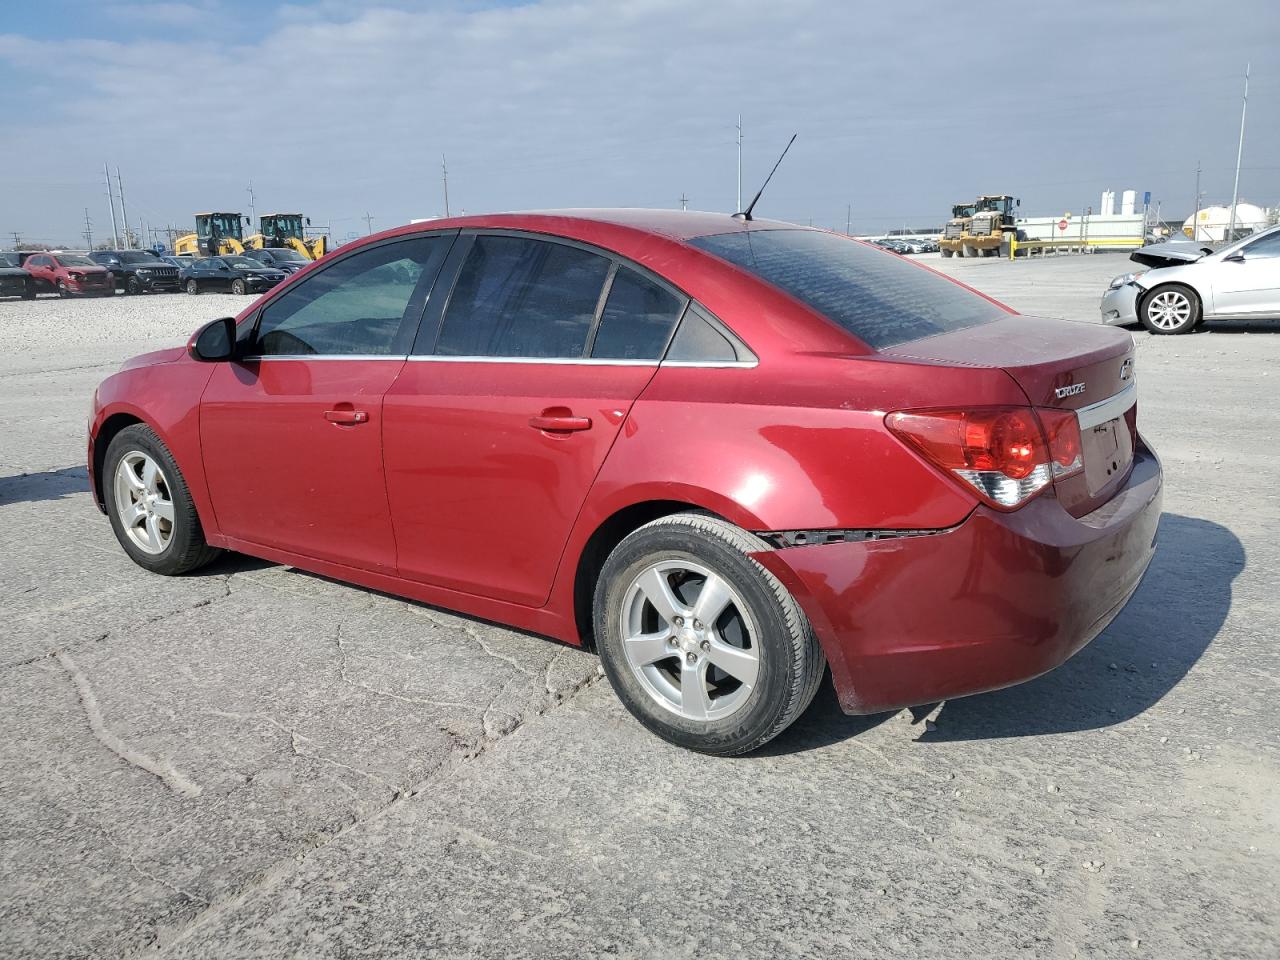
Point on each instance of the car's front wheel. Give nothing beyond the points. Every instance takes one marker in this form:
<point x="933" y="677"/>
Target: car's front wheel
<point x="192" y="287"/>
<point x="132" y="286"/>
<point x="1172" y="308"/>
<point x="701" y="643"/>
<point x="150" y="507"/>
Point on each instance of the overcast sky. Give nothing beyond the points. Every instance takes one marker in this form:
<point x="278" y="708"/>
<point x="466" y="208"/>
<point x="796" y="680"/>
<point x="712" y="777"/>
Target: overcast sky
<point x="338" y="109"/>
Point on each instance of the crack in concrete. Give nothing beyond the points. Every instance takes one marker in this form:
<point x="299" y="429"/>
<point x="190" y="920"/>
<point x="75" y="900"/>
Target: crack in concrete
<point x="161" y="769"/>
<point x="464" y="752"/>
<point x="345" y="677"/>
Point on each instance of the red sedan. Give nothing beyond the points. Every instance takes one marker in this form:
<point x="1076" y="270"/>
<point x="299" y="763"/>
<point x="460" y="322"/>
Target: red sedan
<point x="724" y="453"/>
<point x="69" y="274"/>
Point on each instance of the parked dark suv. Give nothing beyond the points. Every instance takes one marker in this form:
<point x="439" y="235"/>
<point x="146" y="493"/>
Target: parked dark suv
<point x="138" y="271"/>
<point x="14" y="281"/>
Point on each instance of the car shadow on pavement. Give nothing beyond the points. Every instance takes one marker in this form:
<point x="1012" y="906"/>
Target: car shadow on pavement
<point x="1148" y="649"/>
<point x="48" y="485"/>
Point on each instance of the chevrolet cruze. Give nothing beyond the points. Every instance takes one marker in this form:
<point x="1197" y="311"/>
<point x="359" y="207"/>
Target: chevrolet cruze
<point x="724" y="453"/>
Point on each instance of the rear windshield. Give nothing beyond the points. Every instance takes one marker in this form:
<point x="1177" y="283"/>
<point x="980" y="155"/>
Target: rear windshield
<point x="879" y="298"/>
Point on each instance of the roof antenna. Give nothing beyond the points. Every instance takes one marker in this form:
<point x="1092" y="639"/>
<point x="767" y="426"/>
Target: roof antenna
<point x="746" y="214"/>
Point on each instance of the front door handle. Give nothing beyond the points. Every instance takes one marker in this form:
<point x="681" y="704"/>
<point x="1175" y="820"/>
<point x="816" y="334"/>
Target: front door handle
<point x="346" y="417"/>
<point x="559" y="422"/>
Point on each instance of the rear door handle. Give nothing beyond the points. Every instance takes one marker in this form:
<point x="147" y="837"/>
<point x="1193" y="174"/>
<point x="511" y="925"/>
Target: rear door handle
<point x="559" y="423"/>
<point x="346" y="417"/>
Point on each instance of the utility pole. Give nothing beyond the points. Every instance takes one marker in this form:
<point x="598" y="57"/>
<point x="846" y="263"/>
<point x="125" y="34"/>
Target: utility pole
<point x="444" y="175"/>
<point x="1195" y="217"/>
<point x="738" y="208"/>
<point x="17" y="239"/>
<point x="253" y="211"/>
<point x="368" y="219"/>
<point x="684" y="201"/>
<point x="88" y="230"/>
<point x="1235" y="191"/>
<point x="124" y="217"/>
<point x="111" y="201"/>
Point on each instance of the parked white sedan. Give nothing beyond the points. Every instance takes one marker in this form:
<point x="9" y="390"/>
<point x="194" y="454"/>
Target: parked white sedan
<point x="1189" y="284"/>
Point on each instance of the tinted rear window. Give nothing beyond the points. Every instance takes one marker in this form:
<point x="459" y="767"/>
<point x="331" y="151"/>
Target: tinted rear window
<point x="877" y="297"/>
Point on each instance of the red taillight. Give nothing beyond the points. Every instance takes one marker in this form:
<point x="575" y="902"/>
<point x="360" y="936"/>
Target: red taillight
<point x="1062" y="428"/>
<point x="1006" y="454"/>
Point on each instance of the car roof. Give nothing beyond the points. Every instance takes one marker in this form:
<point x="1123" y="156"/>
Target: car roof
<point x="679" y="225"/>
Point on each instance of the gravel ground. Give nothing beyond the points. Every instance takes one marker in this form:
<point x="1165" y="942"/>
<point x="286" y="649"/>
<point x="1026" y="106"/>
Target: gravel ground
<point x="255" y="762"/>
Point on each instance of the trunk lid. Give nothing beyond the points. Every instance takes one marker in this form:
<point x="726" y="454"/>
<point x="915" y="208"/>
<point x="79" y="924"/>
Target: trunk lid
<point x="1060" y="365"/>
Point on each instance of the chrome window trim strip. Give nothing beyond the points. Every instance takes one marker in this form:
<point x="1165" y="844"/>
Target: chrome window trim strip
<point x="324" y="356"/>
<point x="555" y="361"/>
<point x="1107" y="410"/>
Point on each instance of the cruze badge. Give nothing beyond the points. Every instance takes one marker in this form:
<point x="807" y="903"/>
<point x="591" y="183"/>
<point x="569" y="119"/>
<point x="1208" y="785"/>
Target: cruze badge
<point x="1070" y="391"/>
<point x="1126" y="368"/>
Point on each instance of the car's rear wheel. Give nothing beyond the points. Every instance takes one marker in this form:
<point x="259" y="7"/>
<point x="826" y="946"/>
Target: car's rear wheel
<point x="192" y="287"/>
<point x="701" y="643"/>
<point x="238" y="287"/>
<point x="1169" y="309"/>
<point x="29" y="290"/>
<point x="149" y="505"/>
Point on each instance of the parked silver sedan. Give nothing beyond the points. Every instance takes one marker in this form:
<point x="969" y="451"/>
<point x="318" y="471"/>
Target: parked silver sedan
<point x="1188" y="284"/>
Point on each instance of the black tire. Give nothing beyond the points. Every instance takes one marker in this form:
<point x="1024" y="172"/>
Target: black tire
<point x="29" y="290"/>
<point x="187" y="549"/>
<point x="62" y="290"/>
<point x="946" y="254"/>
<point x="791" y="662"/>
<point x="1158" y="308"/>
<point x="238" y="288"/>
<point x="193" y="288"/>
<point x="132" y="286"/>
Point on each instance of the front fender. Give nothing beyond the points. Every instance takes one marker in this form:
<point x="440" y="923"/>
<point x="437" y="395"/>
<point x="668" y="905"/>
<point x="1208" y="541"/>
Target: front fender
<point x="165" y="397"/>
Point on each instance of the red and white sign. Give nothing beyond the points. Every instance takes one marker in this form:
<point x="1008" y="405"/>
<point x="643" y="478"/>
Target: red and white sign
<point x="1062" y="225"/>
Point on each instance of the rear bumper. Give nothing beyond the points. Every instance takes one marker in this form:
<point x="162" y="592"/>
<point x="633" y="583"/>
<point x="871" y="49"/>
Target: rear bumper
<point x="997" y="600"/>
<point x="1120" y="306"/>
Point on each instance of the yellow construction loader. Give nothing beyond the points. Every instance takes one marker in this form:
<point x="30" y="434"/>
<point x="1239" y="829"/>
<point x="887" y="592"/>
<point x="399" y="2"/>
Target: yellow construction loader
<point x="217" y="234"/>
<point x="977" y="229"/>
<point x="286" y="230"/>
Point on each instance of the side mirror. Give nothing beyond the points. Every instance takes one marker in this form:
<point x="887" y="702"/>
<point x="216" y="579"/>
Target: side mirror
<point x="1234" y="258"/>
<point x="215" y="341"/>
<point x="308" y="221"/>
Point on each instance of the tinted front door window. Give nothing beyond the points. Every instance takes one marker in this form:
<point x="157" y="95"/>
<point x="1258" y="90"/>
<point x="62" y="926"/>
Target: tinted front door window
<point x="357" y="306"/>
<point x="637" y="319"/>
<point x="517" y="297"/>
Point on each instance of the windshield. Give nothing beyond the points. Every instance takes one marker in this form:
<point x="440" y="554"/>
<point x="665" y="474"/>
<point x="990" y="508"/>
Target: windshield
<point x="882" y="300"/>
<point x="225" y="225"/>
<point x="75" y="260"/>
<point x="136" y="256"/>
<point x="287" y="226"/>
<point x="8" y="260"/>
<point x="284" y="253"/>
<point x="1252" y="238"/>
<point x="242" y="263"/>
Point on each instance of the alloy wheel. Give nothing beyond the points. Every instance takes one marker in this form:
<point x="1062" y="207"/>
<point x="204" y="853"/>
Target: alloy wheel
<point x="144" y="502"/>
<point x="689" y="640"/>
<point x="1169" y="310"/>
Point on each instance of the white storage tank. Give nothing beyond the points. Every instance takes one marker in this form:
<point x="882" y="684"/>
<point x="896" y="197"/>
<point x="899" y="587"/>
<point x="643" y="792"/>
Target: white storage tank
<point x="1128" y="201"/>
<point x="1210" y="224"/>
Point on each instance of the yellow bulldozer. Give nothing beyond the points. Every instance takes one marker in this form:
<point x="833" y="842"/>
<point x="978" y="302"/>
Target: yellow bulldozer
<point x="217" y="234"/>
<point x="978" y="229"/>
<point x="286" y="230"/>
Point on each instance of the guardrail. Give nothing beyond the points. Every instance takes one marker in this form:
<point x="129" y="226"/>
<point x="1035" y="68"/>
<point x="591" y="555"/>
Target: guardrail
<point x="1058" y="245"/>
